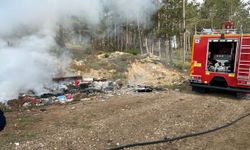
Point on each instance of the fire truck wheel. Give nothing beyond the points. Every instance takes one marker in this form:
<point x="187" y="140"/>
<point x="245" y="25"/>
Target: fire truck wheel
<point x="199" y="89"/>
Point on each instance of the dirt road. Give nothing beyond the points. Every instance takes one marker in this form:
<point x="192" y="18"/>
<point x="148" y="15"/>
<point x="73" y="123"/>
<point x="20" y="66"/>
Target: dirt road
<point x="104" y="123"/>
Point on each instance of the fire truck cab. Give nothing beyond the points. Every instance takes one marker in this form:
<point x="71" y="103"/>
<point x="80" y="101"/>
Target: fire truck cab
<point x="221" y="60"/>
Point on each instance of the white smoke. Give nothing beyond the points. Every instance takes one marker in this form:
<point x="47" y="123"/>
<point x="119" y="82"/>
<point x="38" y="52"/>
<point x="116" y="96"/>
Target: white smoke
<point x="133" y="11"/>
<point x="27" y="32"/>
<point x="25" y="66"/>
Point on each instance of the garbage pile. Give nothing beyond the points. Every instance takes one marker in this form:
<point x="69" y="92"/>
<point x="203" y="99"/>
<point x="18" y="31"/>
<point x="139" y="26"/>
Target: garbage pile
<point x="66" y="90"/>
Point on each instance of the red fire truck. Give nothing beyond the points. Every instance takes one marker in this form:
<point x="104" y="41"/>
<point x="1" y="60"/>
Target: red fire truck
<point x="221" y="60"/>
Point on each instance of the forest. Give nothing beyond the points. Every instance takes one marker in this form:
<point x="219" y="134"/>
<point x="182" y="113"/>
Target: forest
<point x="169" y="29"/>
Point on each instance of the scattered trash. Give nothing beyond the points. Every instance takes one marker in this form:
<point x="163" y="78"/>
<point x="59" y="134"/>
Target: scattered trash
<point x="140" y="88"/>
<point x="62" y="99"/>
<point x="35" y="101"/>
<point x="69" y="97"/>
<point x="43" y="110"/>
<point x="68" y="89"/>
<point x="62" y="79"/>
<point x="17" y="144"/>
<point x="85" y="99"/>
<point x="27" y="104"/>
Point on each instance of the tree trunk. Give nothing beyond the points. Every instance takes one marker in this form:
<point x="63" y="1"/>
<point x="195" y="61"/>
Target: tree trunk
<point x="140" y="41"/>
<point x="134" y="40"/>
<point x="159" y="47"/>
<point x="122" y="41"/>
<point x="126" y="44"/>
<point x="146" y="44"/>
<point x="184" y="47"/>
<point x="189" y="42"/>
<point x="115" y="38"/>
<point x="118" y="42"/>
<point x="139" y="34"/>
<point x="166" y="51"/>
<point x="60" y="40"/>
<point x="158" y="30"/>
<point x="152" y="48"/>
<point x="170" y="50"/>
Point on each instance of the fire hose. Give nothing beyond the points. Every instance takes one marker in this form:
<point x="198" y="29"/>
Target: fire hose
<point x="189" y="135"/>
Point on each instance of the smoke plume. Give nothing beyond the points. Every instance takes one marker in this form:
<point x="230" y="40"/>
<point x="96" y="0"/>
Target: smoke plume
<point x="28" y="30"/>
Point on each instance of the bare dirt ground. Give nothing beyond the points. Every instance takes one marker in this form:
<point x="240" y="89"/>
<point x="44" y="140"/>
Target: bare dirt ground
<point x="119" y="120"/>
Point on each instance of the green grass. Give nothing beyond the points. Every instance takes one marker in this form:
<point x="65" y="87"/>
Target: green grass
<point x="5" y="108"/>
<point x="133" y="51"/>
<point x="178" y="60"/>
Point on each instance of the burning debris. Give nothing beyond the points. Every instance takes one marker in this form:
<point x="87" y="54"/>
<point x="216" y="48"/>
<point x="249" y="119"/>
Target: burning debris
<point x="63" y="90"/>
<point x="75" y="88"/>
